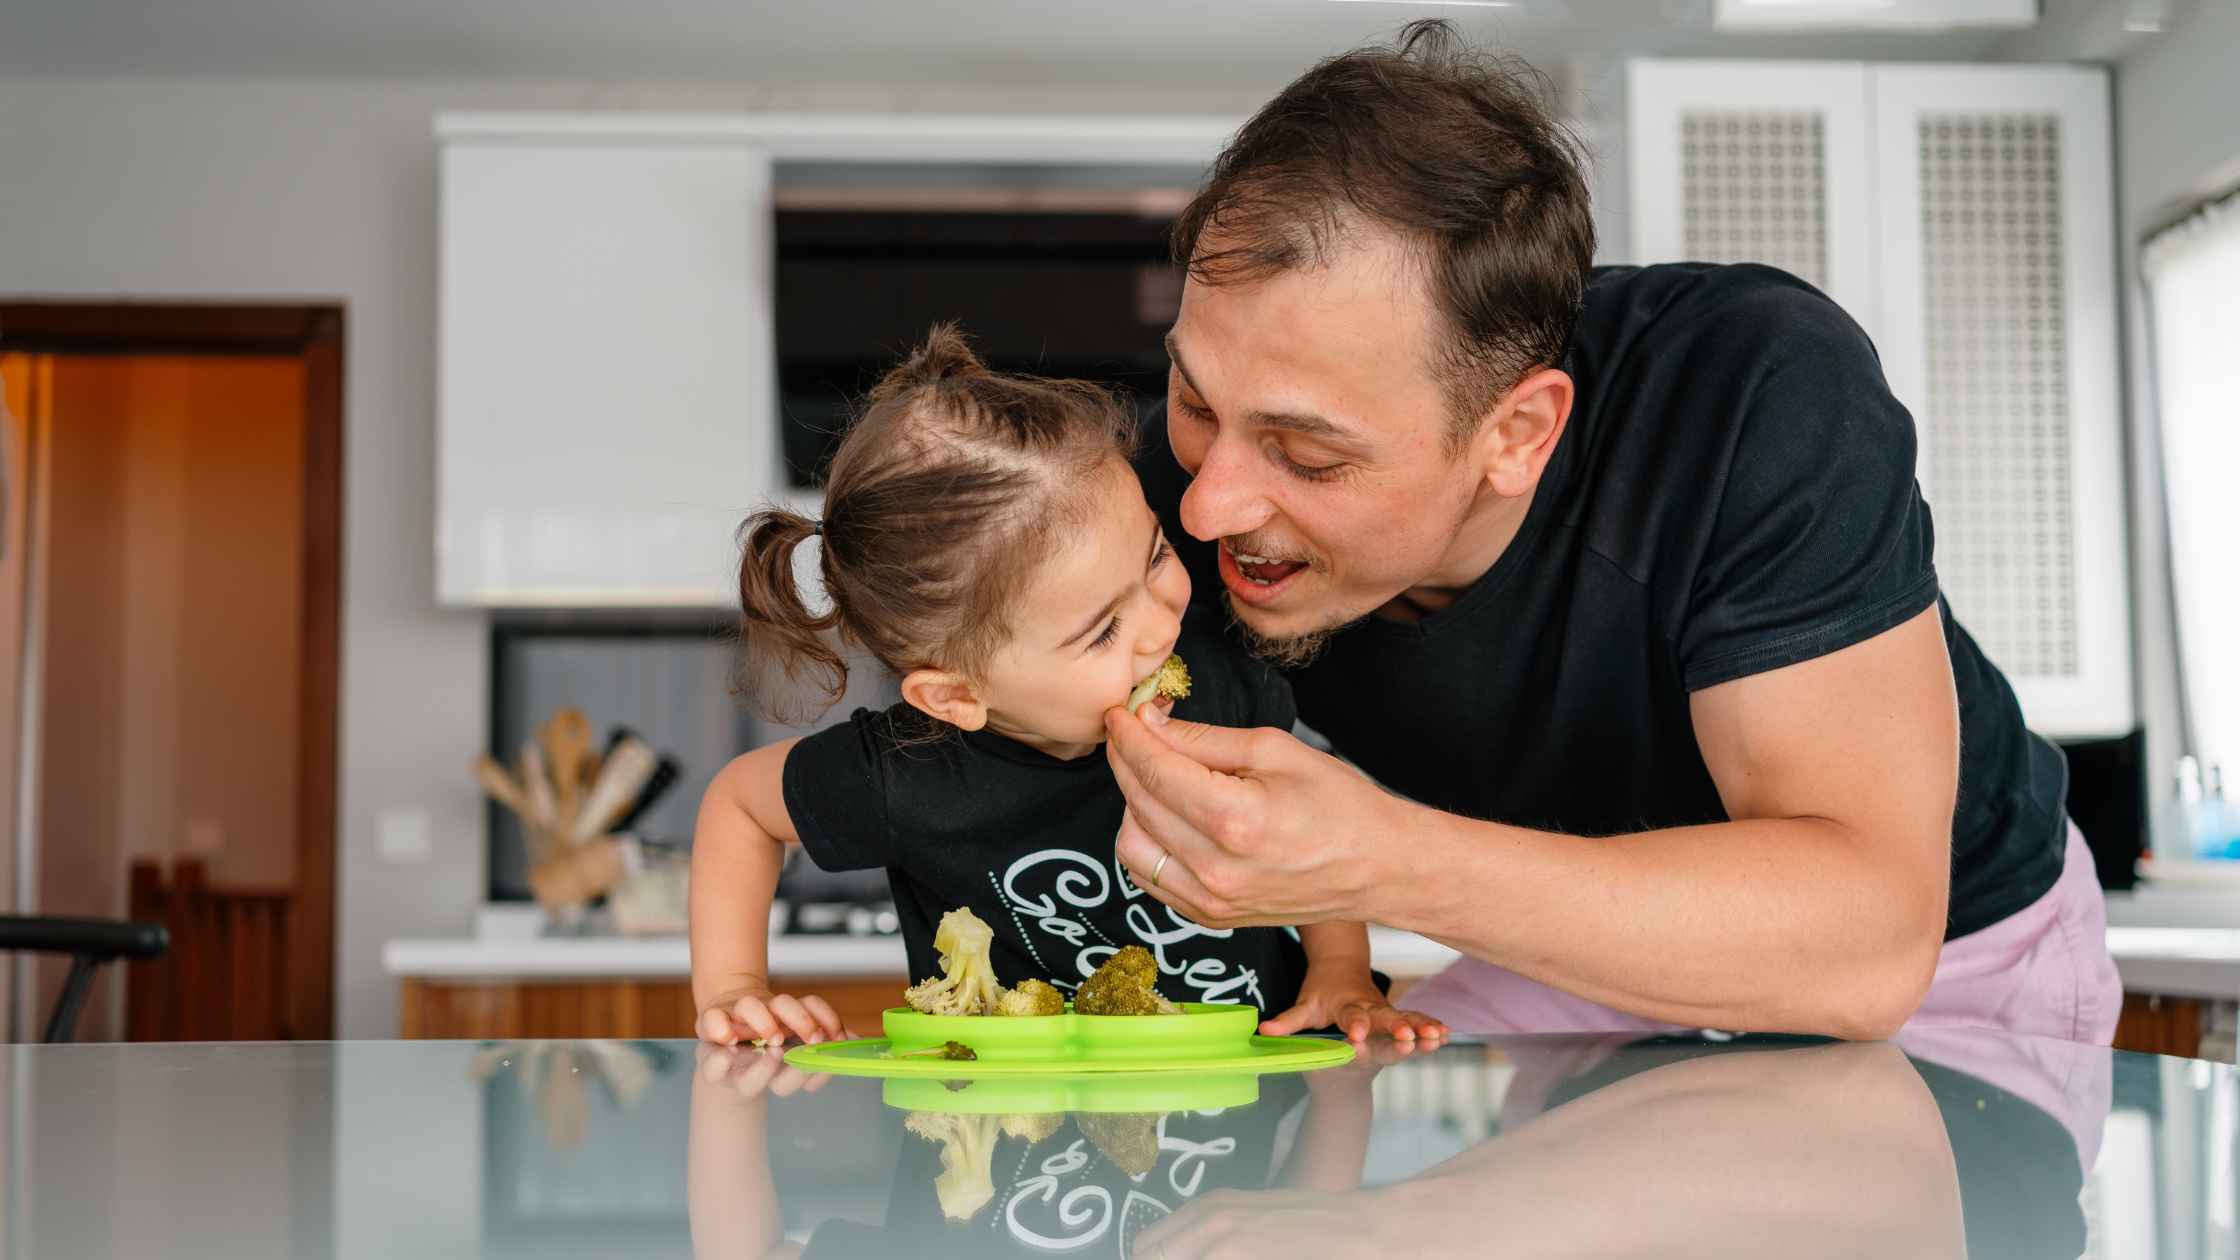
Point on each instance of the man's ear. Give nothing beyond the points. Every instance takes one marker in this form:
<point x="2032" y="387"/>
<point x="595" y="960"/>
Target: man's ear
<point x="1519" y="435"/>
<point x="946" y="697"/>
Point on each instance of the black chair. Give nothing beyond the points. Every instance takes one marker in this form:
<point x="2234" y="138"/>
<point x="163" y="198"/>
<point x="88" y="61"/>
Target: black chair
<point x="90" y="943"/>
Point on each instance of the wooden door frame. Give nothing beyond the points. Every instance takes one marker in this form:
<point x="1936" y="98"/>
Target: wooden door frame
<point x="313" y="333"/>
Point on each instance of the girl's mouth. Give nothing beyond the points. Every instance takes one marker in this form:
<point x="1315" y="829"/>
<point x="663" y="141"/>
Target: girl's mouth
<point x="1254" y="578"/>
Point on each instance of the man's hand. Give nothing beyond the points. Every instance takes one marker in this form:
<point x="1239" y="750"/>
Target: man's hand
<point x="1256" y="828"/>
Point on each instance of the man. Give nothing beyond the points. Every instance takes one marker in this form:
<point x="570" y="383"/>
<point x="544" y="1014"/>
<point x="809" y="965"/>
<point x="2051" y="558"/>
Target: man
<point x="1622" y="581"/>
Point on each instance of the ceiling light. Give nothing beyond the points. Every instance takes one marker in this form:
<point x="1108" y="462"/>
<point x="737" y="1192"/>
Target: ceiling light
<point x="1451" y="4"/>
<point x="1737" y="15"/>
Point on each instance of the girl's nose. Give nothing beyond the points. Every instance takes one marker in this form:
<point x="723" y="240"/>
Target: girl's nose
<point x="1161" y="626"/>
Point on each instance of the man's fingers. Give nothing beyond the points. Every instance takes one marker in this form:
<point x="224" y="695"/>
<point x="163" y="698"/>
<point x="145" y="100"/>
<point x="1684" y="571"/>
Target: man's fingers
<point x="1168" y="774"/>
<point x="1167" y="831"/>
<point x="1177" y="887"/>
<point x="1232" y="750"/>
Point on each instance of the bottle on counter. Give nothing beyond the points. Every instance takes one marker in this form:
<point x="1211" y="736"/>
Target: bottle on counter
<point x="2213" y="823"/>
<point x="2189" y="805"/>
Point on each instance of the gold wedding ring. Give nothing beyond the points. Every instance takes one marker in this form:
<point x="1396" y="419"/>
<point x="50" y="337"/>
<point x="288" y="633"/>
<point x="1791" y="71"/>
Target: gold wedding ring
<point x="1161" y="867"/>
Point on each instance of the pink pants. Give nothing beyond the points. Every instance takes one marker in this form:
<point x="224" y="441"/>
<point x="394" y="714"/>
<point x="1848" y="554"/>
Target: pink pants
<point x="2043" y="971"/>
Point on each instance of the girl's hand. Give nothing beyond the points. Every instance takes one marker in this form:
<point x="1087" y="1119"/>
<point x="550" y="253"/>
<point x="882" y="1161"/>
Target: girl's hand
<point x="1357" y="1008"/>
<point x="759" y="1015"/>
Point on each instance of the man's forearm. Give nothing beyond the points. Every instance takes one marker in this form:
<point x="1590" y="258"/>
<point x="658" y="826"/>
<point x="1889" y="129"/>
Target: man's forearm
<point x="1766" y="924"/>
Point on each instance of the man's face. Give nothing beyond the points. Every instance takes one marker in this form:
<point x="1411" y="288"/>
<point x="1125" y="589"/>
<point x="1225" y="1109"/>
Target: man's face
<point x="1317" y="439"/>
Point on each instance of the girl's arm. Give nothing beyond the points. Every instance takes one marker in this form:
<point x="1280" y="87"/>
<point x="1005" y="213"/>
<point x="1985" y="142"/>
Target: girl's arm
<point x="1337" y="949"/>
<point x="738" y="847"/>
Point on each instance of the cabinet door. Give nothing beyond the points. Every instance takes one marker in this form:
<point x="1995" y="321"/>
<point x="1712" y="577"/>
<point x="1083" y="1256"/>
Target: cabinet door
<point x="1998" y="331"/>
<point x="1756" y="162"/>
<point x="606" y="385"/>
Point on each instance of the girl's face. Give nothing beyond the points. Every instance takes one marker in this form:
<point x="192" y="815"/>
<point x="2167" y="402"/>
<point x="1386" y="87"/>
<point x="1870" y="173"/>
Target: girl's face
<point x="1102" y="614"/>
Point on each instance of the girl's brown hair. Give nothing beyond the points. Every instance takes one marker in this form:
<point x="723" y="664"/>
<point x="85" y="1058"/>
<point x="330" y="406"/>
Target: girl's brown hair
<point x="949" y="490"/>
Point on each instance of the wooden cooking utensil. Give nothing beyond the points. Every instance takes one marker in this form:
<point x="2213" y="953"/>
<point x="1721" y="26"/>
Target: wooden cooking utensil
<point x="622" y="776"/>
<point x="665" y="776"/>
<point x="579" y="874"/>
<point x="567" y="746"/>
<point x="536" y="782"/>
<point x="500" y="785"/>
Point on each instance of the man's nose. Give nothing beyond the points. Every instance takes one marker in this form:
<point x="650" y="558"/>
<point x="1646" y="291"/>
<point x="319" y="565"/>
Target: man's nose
<point x="1222" y="499"/>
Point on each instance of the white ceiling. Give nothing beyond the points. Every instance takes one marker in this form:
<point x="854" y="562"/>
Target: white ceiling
<point x="1198" y="43"/>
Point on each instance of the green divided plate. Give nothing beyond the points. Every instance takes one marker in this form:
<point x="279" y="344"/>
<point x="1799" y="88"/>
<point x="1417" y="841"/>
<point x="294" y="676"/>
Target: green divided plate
<point x="1204" y="1038"/>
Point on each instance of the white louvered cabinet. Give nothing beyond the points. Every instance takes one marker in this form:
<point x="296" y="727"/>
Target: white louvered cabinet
<point x="1963" y="215"/>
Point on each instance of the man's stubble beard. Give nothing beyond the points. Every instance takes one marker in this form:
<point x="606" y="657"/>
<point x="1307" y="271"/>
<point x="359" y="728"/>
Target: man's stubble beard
<point x="1289" y="652"/>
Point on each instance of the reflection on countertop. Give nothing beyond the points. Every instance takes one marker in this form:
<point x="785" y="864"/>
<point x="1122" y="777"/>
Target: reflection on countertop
<point x="1956" y="1144"/>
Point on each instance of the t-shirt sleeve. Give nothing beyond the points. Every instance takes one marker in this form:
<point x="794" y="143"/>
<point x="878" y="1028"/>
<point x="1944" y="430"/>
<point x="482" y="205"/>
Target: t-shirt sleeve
<point x="1820" y="539"/>
<point x="836" y="790"/>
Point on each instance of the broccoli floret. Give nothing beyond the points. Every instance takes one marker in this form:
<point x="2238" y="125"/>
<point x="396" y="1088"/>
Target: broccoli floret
<point x="1124" y="985"/>
<point x="1034" y="1128"/>
<point x="1129" y="1140"/>
<point x="968" y="1148"/>
<point x="1032" y="997"/>
<point x="967" y="983"/>
<point x="1172" y="681"/>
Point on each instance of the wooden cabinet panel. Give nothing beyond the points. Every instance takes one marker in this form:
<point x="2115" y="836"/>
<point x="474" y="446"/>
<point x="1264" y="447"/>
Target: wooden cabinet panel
<point x="509" y="1010"/>
<point x="2159" y="1025"/>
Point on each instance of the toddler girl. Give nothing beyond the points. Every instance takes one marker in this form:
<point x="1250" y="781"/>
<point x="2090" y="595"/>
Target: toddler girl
<point x="985" y="539"/>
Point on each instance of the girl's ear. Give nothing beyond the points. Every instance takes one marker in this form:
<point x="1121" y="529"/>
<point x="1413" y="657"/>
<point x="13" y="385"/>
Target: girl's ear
<point x="946" y="697"/>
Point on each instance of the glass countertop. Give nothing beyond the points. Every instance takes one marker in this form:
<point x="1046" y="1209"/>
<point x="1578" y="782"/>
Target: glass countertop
<point x="1947" y="1143"/>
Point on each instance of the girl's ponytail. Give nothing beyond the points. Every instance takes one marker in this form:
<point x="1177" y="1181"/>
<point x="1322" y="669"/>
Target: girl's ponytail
<point x="943" y="358"/>
<point x="783" y="639"/>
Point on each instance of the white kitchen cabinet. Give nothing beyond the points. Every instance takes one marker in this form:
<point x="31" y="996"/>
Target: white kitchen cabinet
<point x="607" y="380"/>
<point x="1963" y="215"/>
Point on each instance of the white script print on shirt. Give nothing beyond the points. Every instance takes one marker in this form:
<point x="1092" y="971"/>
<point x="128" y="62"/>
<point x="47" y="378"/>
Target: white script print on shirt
<point x="1042" y="1213"/>
<point x="1049" y="891"/>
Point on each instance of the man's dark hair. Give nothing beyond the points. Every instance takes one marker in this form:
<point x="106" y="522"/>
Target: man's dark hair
<point x="1456" y="151"/>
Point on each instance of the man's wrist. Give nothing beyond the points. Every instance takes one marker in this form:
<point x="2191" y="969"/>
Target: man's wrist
<point x="1399" y="890"/>
<point x="1430" y="881"/>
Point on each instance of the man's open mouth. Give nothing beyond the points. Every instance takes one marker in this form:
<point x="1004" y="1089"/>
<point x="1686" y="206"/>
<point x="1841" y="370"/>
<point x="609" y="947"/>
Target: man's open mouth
<point x="1256" y="578"/>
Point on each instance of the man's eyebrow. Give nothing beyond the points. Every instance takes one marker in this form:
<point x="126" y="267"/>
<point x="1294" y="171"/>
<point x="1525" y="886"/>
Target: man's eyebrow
<point x="1304" y="423"/>
<point x="1156" y="534"/>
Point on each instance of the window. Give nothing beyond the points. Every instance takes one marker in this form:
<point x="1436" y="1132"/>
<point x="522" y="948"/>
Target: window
<point x="2192" y="272"/>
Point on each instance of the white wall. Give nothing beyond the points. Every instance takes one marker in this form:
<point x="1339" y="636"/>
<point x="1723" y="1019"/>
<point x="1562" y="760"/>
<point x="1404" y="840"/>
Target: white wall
<point x="2176" y="141"/>
<point x="235" y="189"/>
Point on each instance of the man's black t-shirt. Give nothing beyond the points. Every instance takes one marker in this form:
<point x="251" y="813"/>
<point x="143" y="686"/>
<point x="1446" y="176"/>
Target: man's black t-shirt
<point x="1026" y="840"/>
<point x="1735" y="493"/>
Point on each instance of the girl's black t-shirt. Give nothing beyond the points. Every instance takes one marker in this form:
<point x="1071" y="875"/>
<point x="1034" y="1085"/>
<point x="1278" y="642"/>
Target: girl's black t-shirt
<point x="1734" y="493"/>
<point x="1026" y="840"/>
<point x="1078" y="1184"/>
